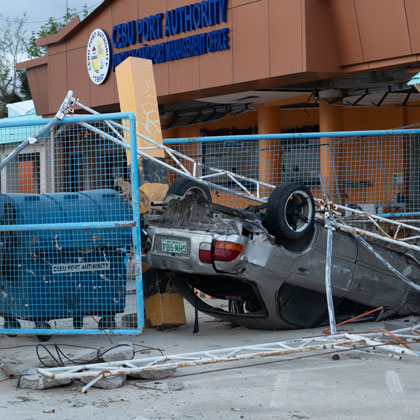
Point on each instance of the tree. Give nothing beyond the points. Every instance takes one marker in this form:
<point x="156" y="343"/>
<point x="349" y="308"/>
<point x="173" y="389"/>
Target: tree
<point x="24" y="91"/>
<point x="16" y="46"/>
<point x="51" y="27"/>
<point x="13" y="49"/>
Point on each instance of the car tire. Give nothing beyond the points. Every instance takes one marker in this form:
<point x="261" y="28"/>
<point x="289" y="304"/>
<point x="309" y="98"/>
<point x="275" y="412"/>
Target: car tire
<point x="185" y="186"/>
<point x="43" y="325"/>
<point x="290" y="211"/>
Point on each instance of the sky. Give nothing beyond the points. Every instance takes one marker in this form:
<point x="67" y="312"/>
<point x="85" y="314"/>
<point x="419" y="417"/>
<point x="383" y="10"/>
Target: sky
<point x="38" y="11"/>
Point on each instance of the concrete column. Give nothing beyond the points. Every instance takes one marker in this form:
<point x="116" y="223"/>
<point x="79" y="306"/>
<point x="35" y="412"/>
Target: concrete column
<point x="137" y="94"/>
<point x="331" y="157"/>
<point x="269" y="151"/>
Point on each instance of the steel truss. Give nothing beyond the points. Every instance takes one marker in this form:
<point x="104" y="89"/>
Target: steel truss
<point x="177" y="158"/>
<point x="379" y="342"/>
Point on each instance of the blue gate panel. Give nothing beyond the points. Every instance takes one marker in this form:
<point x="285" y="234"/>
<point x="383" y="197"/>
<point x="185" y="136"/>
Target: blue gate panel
<point x="63" y="273"/>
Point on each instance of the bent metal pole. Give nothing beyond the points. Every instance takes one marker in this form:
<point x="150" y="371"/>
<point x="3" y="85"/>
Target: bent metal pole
<point x="32" y="140"/>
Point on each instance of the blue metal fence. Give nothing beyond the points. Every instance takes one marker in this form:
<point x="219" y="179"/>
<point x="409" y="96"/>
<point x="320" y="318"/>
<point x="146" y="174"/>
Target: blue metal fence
<point x="70" y="239"/>
<point x="376" y="171"/>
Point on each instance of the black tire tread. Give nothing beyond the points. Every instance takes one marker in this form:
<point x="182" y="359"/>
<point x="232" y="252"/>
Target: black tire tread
<point x="182" y="186"/>
<point x="275" y="221"/>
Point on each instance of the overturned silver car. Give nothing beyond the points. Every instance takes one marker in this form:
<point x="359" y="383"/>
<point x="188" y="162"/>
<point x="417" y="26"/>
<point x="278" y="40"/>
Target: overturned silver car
<point x="268" y="262"/>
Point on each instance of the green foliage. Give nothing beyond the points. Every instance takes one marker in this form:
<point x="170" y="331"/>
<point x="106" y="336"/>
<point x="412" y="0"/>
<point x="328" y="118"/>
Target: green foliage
<point x="15" y="46"/>
<point x="51" y="27"/>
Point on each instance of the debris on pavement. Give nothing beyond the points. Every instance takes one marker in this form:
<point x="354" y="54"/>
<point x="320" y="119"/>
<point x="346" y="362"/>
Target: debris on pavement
<point x="38" y="382"/>
<point x="107" y="382"/>
<point x="396" y="343"/>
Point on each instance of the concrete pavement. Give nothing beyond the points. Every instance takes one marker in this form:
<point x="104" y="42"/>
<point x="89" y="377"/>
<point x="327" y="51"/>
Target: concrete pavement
<point x="358" y="386"/>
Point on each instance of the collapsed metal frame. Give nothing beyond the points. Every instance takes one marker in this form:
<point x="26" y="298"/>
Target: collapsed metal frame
<point x="325" y="206"/>
<point x="334" y="216"/>
<point x="311" y="346"/>
<point x="64" y="108"/>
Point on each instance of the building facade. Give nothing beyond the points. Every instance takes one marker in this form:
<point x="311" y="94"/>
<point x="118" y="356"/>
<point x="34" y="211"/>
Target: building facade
<point x="284" y="63"/>
<point x="242" y="67"/>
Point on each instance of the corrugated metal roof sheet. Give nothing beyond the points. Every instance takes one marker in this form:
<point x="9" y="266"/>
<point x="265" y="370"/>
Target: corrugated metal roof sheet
<point x="415" y="80"/>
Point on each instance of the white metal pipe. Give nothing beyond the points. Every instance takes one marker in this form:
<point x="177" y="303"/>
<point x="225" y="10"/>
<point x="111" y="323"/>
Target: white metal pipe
<point x="161" y="146"/>
<point x="91" y="383"/>
<point x="98" y="371"/>
<point x="362" y="232"/>
<point x="383" y="219"/>
<point x="390" y="348"/>
<point x="170" y="167"/>
<point x="33" y="139"/>
<point x="86" y="371"/>
<point x="328" y="288"/>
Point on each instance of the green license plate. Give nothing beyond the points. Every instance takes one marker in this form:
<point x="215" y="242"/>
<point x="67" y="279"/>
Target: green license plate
<point x="174" y="246"/>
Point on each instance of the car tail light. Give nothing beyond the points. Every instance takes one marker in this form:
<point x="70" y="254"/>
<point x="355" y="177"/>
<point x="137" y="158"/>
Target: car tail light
<point x="205" y="253"/>
<point x="222" y="251"/>
<point x="226" y="251"/>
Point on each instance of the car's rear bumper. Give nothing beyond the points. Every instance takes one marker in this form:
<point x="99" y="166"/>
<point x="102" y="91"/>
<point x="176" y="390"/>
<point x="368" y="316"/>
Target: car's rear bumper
<point x="189" y="262"/>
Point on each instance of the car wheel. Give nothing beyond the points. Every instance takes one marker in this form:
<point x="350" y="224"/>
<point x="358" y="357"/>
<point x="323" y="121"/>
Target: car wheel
<point x="185" y="186"/>
<point x="290" y="211"/>
<point x="43" y="325"/>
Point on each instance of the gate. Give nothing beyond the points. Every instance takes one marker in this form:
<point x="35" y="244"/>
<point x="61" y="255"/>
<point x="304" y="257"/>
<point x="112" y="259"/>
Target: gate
<point x="70" y="251"/>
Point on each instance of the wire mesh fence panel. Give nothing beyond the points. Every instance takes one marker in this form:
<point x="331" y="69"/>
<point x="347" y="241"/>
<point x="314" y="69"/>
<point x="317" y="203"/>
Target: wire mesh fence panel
<point x="70" y="234"/>
<point x="375" y="172"/>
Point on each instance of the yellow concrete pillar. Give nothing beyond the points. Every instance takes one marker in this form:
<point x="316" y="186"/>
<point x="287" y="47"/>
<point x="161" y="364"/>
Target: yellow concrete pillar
<point x="137" y="94"/>
<point x="331" y="155"/>
<point x="269" y="151"/>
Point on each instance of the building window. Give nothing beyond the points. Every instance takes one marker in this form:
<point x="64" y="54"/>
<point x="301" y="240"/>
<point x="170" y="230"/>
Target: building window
<point x="300" y="158"/>
<point x="240" y="157"/>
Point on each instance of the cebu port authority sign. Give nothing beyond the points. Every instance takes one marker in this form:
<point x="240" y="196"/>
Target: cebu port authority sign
<point x="98" y="56"/>
<point x="162" y="26"/>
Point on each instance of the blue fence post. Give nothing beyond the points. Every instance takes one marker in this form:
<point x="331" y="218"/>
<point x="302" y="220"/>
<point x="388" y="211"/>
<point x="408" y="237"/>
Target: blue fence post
<point x="136" y="215"/>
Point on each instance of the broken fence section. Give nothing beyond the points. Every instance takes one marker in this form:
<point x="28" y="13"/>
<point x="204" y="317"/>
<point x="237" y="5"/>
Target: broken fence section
<point x="70" y="228"/>
<point x="381" y="342"/>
